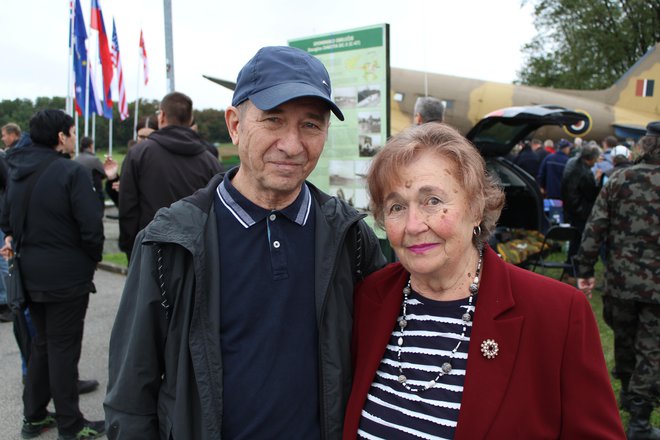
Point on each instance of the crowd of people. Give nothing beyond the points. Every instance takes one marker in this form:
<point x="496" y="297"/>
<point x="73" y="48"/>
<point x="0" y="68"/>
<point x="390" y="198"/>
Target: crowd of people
<point x="258" y="306"/>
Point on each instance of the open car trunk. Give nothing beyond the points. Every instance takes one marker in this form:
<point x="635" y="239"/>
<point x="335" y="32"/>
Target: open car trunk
<point x="496" y="134"/>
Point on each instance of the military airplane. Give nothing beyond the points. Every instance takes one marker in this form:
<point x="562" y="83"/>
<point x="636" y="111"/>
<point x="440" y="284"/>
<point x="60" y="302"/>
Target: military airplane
<point x="622" y="110"/>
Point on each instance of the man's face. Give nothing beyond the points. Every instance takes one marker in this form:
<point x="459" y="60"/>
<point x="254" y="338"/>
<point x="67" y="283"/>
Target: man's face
<point x="8" y="138"/>
<point x="278" y="148"/>
<point x="69" y="142"/>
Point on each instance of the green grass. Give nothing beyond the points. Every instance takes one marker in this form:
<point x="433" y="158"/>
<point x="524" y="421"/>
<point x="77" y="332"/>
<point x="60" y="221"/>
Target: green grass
<point x="606" y="334"/>
<point x="119" y="259"/>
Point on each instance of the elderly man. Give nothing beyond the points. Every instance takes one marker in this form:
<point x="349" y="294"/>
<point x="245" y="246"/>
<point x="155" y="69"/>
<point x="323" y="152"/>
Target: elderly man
<point x="428" y="109"/>
<point x="236" y="317"/>
<point x="11" y="133"/>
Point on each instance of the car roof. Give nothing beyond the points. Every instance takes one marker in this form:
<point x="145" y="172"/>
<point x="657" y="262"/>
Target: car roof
<point x="499" y="131"/>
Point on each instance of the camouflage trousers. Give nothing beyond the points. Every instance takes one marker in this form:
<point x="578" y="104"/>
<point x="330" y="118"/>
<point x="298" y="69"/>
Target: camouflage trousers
<point x="636" y="327"/>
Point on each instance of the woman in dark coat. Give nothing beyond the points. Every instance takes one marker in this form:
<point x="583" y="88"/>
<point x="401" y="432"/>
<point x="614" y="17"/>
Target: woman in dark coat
<point x="59" y="242"/>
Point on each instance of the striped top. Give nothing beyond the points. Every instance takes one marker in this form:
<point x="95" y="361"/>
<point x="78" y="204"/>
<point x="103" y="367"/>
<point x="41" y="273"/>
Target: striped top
<point x="391" y="411"/>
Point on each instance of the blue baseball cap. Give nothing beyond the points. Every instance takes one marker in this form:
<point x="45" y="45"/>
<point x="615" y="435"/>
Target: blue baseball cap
<point x="278" y="74"/>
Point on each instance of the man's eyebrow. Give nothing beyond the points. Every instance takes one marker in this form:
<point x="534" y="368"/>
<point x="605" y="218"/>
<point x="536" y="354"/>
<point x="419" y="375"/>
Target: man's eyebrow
<point x="312" y="115"/>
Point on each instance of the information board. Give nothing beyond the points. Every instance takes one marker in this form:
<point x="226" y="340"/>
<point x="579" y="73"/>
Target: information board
<point x="358" y="63"/>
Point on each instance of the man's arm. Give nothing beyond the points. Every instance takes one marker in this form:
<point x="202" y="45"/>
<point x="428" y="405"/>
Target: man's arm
<point x="136" y="363"/>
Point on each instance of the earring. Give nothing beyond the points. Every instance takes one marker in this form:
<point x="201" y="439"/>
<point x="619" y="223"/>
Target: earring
<point x="476" y="231"/>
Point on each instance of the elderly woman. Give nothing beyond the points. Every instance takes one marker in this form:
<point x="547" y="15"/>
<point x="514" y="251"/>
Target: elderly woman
<point x="451" y="342"/>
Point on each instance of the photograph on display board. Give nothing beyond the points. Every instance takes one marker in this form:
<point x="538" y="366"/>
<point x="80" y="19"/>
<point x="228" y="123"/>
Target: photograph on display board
<point x="368" y="96"/>
<point x="345" y="97"/>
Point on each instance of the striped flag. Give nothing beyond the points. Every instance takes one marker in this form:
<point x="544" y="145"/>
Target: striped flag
<point x="116" y="62"/>
<point x="104" y="54"/>
<point x="644" y="87"/>
<point x="143" y="55"/>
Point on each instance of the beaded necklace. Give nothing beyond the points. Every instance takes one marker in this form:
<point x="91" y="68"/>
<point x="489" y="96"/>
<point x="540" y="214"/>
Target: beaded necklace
<point x="403" y="322"/>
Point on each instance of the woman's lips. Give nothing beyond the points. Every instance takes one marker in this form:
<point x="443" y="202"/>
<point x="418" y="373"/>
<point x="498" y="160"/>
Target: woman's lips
<point x="421" y="248"/>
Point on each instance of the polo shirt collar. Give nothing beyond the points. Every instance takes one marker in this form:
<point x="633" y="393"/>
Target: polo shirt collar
<point x="247" y="213"/>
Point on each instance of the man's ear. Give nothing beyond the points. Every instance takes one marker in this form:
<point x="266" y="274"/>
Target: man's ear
<point x="232" y="121"/>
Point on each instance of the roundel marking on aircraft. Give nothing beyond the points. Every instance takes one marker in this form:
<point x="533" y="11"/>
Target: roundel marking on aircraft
<point x="581" y="128"/>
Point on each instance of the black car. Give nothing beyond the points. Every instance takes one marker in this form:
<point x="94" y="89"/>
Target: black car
<point x="495" y="136"/>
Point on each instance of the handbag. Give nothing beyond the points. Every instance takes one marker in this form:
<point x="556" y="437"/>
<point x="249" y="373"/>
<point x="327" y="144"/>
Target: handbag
<point x="16" y="294"/>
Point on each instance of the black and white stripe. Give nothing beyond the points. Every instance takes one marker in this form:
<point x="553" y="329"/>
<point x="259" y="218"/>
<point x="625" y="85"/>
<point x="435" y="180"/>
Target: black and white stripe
<point x="392" y="411"/>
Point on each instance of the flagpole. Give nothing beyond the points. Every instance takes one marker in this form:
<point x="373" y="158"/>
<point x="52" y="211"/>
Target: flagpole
<point x="69" y="100"/>
<point x="110" y="137"/>
<point x="75" y="117"/>
<point x="137" y="102"/>
<point x="87" y="95"/>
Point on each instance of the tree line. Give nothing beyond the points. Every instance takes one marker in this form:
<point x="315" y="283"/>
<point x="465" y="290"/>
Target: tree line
<point x="211" y="122"/>
<point x="588" y="44"/>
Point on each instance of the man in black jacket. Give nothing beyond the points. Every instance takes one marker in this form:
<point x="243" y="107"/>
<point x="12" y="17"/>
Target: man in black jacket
<point x="59" y="238"/>
<point x="579" y="189"/>
<point x="170" y="164"/>
<point x="236" y="316"/>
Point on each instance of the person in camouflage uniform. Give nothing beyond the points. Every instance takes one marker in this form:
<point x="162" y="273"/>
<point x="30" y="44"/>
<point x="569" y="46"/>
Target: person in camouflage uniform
<point x="626" y="216"/>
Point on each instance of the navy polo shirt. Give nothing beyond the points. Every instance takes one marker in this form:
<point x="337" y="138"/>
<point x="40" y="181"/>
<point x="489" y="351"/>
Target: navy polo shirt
<point x="269" y="334"/>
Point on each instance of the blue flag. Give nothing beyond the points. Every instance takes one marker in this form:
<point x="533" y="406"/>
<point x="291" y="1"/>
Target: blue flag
<point x="80" y="65"/>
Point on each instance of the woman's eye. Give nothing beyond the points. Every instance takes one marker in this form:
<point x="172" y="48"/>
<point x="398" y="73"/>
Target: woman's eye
<point x="396" y="208"/>
<point x="433" y="201"/>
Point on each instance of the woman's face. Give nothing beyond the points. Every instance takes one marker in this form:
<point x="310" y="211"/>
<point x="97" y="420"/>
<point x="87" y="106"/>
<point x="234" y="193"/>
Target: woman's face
<point x="427" y="219"/>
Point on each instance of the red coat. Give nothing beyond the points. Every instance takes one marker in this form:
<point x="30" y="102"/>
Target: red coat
<point x="549" y="379"/>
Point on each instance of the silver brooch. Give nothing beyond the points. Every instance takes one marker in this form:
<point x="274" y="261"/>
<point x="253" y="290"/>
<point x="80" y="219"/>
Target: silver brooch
<point x="489" y="348"/>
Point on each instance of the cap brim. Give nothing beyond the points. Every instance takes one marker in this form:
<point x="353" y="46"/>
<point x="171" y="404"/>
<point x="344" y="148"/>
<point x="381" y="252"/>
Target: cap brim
<point x="271" y="97"/>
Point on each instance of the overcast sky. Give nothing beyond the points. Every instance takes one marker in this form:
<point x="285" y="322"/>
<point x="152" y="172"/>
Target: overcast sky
<point x="473" y="38"/>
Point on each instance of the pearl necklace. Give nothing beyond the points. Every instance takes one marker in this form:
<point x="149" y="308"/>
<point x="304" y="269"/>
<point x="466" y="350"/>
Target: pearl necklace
<point x="403" y="322"/>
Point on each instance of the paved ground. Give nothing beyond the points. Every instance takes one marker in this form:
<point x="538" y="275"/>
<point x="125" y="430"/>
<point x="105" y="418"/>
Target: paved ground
<point x="94" y="360"/>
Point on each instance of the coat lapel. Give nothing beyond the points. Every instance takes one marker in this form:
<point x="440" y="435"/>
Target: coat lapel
<point x="374" y="334"/>
<point x="486" y="379"/>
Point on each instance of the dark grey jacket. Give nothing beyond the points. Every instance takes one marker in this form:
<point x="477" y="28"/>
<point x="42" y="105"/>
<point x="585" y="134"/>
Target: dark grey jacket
<point x="165" y="376"/>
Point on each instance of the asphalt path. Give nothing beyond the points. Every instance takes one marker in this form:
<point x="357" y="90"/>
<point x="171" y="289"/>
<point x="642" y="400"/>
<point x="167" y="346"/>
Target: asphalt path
<point x="93" y="362"/>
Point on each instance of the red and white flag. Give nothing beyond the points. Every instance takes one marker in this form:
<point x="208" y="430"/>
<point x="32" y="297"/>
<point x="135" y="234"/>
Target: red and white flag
<point x="143" y="55"/>
<point x="116" y="62"/>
